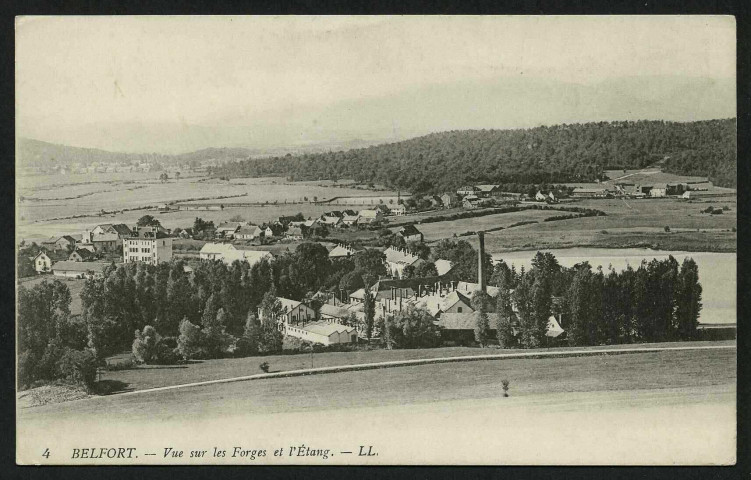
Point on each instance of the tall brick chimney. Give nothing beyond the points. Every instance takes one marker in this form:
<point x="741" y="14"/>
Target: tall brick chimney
<point x="480" y="266"/>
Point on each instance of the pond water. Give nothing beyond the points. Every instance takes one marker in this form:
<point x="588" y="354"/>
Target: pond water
<point x="717" y="272"/>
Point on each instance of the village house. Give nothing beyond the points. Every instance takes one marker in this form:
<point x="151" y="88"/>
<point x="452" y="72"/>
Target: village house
<point x="581" y="192"/>
<point x="81" y="255"/>
<point x="540" y="197"/>
<point x="147" y="244"/>
<point x="64" y="242"/>
<point x="487" y="190"/>
<point x="658" y="190"/>
<point x="370" y="217"/>
<point x="467" y="190"/>
<point x="449" y="200"/>
<point x="107" y="237"/>
<point x="273" y="230"/>
<point x="397" y="259"/>
<point x="330" y="220"/>
<point x="42" y="262"/>
<point x="350" y="219"/>
<point x="470" y="202"/>
<point x="383" y="209"/>
<point x="293" y="233"/>
<point x="399" y="210"/>
<point x="228" y="229"/>
<point x="249" y="232"/>
<point x="410" y="233"/>
<point x="79" y="269"/>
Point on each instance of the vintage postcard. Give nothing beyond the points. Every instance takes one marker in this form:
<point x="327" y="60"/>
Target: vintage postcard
<point x="476" y="240"/>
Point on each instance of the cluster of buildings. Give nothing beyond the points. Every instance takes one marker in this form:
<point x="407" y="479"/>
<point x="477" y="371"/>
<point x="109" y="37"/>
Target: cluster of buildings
<point x="86" y="255"/>
<point x="341" y="317"/>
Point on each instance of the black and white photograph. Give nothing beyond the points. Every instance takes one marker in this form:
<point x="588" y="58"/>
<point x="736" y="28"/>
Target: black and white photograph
<point x="376" y="240"/>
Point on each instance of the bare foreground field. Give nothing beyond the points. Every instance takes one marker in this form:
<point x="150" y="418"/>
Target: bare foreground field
<point x="656" y="408"/>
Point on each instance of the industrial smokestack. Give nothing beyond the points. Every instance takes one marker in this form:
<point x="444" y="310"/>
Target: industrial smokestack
<point x="480" y="257"/>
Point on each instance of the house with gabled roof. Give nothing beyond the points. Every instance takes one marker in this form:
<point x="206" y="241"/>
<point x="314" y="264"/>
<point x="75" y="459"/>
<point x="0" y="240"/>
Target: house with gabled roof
<point x="350" y="220"/>
<point x="410" y="233"/>
<point x="42" y="262"/>
<point x="228" y="229"/>
<point x="397" y="259"/>
<point x="249" y="232"/>
<point x="81" y="255"/>
<point x="370" y="217"/>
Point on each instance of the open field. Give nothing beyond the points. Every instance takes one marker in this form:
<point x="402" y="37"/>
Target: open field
<point x="629" y="223"/>
<point x="438" y="230"/>
<point x="430" y="383"/>
<point x="144" y="377"/>
<point x="48" y="199"/>
<point x="672" y="407"/>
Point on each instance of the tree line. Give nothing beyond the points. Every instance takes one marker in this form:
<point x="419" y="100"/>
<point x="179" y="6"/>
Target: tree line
<point x="444" y="161"/>
<point x="658" y="301"/>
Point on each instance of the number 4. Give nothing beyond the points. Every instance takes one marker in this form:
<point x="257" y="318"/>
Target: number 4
<point x="46" y="453"/>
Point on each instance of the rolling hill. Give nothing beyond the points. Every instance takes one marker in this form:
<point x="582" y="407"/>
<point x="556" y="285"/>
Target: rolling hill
<point x="560" y="153"/>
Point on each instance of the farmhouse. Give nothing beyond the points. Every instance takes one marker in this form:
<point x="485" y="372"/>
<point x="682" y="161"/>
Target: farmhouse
<point x="273" y="230"/>
<point x="79" y="269"/>
<point x="350" y="219"/>
<point x="107" y="237"/>
<point x="81" y="255"/>
<point x="65" y="242"/>
<point x="294" y="233"/>
<point x="487" y="190"/>
<point x="149" y="245"/>
<point x="249" y="232"/>
<point x="410" y="233"/>
<point x="399" y="210"/>
<point x="370" y="217"/>
<point x="658" y="190"/>
<point x="589" y="192"/>
<point x="467" y="190"/>
<point x="228" y="229"/>
<point x="449" y="200"/>
<point x="42" y="262"/>
<point x="330" y="220"/>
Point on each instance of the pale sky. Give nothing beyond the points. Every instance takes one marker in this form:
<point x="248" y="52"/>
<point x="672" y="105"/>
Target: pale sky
<point x="217" y="71"/>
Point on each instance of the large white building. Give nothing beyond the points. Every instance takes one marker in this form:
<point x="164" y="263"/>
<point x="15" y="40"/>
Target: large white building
<point x="228" y="253"/>
<point x="148" y="245"/>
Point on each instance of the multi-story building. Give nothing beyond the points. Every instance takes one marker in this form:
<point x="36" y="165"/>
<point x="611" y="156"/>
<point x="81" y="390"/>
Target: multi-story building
<point x="147" y="244"/>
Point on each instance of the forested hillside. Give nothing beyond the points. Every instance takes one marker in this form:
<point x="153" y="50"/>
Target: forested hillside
<point x="561" y="153"/>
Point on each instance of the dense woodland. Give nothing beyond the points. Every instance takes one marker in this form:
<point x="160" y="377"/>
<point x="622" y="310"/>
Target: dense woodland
<point x="562" y="153"/>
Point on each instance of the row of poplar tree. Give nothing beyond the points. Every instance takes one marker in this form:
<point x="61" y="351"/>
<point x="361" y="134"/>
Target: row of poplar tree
<point x="660" y="300"/>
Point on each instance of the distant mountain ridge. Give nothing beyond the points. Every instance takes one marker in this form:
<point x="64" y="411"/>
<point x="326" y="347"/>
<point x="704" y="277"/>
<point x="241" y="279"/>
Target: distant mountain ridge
<point x="36" y="153"/>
